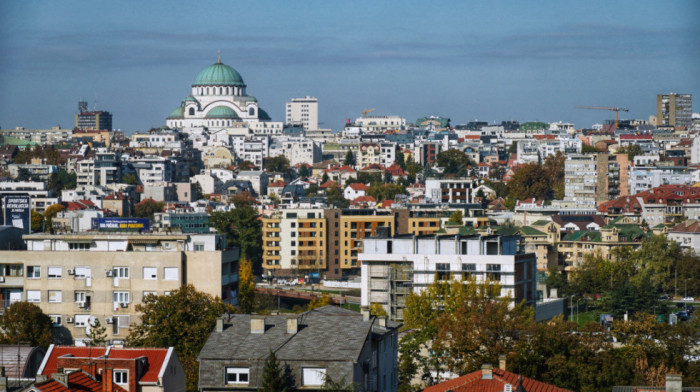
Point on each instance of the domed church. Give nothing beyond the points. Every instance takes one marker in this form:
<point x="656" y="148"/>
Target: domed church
<point x="218" y="100"/>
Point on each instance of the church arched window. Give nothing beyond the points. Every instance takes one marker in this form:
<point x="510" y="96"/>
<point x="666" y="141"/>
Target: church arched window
<point x="191" y="111"/>
<point x="251" y="111"/>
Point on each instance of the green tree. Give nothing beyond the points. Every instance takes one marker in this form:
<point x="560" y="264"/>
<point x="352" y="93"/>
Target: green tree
<point x="336" y="198"/>
<point x="454" y="161"/>
<point x="37" y="221"/>
<point x="400" y="159"/>
<point x="325" y="178"/>
<point x="588" y="149"/>
<point x="97" y="335"/>
<point x="183" y="320"/>
<point x="349" y="159"/>
<point x="246" y="287"/>
<point x="633" y="150"/>
<point x="413" y="168"/>
<point x="340" y="386"/>
<point x="456" y="218"/>
<point x="246" y="165"/>
<point x="385" y="192"/>
<point x="377" y="309"/>
<point x="274" y="379"/>
<point x="304" y="171"/>
<point x="147" y="208"/>
<point x="319" y="302"/>
<point x="513" y="148"/>
<point x="24" y="322"/>
<point x="243" y="229"/>
<point x="51" y="212"/>
<point x="130" y="178"/>
<point x="61" y="180"/>
<point x="278" y="164"/>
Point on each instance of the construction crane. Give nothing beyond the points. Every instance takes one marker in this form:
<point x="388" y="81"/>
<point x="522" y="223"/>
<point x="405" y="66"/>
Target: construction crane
<point x="616" y="110"/>
<point x="364" y="112"/>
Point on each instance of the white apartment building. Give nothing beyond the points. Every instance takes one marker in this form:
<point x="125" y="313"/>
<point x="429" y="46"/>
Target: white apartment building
<point x="296" y="149"/>
<point x="450" y="190"/>
<point x="393" y="267"/>
<point x="387" y="154"/>
<point x="380" y="124"/>
<point x="303" y="111"/>
<point x="73" y="277"/>
<point x="642" y="178"/>
<point x="580" y="179"/>
<point x="102" y="170"/>
<point x="153" y="170"/>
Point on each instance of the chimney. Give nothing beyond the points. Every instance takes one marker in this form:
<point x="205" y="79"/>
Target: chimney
<point x="292" y="325"/>
<point x="502" y="362"/>
<point x="382" y="321"/>
<point x="63" y="378"/>
<point x="365" y="313"/>
<point x="220" y="325"/>
<point x="257" y="324"/>
<point x="486" y="371"/>
<point x="107" y="380"/>
<point x="674" y="383"/>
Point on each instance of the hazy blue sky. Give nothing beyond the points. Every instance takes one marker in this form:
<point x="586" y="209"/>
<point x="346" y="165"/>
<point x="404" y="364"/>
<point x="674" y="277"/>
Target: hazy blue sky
<point x="492" y="61"/>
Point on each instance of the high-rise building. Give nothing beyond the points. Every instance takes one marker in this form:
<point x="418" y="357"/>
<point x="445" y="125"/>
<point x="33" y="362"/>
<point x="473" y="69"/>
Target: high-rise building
<point x="86" y="120"/>
<point x="303" y="111"/>
<point x="674" y="110"/>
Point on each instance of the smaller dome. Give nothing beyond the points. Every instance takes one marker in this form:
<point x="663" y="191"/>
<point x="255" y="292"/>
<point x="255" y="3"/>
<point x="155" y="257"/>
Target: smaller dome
<point x="222" y="112"/>
<point x="251" y="99"/>
<point x="177" y="113"/>
<point x="263" y="116"/>
<point x="190" y="98"/>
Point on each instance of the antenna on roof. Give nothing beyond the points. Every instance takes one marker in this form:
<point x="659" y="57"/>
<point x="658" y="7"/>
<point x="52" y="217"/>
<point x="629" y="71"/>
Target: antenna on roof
<point x="218" y="61"/>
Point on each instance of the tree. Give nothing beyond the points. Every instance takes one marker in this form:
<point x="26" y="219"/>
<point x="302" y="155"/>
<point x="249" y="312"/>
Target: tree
<point x="497" y="171"/>
<point x="304" y="170"/>
<point x="401" y="159"/>
<point x="24" y="322"/>
<point x="243" y="229"/>
<point x="246" y="165"/>
<point x="456" y="218"/>
<point x="377" y="309"/>
<point x="454" y="161"/>
<point x="325" y="178"/>
<point x="273" y="375"/>
<point x="349" y="158"/>
<point x="633" y="150"/>
<point x="97" y="335"/>
<point x="385" y="192"/>
<point x="61" y="180"/>
<point x="336" y="198"/>
<point x="37" y="221"/>
<point x="388" y="178"/>
<point x="332" y="386"/>
<point x="51" y="212"/>
<point x="279" y="164"/>
<point x="130" y="178"/>
<point x="246" y="287"/>
<point x="588" y="149"/>
<point x="541" y="181"/>
<point x="319" y="302"/>
<point x="513" y="148"/>
<point x="147" y="208"/>
<point x="183" y="320"/>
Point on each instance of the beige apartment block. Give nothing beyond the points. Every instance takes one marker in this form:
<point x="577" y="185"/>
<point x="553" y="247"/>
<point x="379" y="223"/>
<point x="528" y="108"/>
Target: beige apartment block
<point x="294" y="241"/>
<point x="77" y="278"/>
<point x="355" y="225"/>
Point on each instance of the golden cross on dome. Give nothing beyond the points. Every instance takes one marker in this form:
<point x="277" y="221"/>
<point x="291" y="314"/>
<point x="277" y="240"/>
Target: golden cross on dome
<point x="219" y="59"/>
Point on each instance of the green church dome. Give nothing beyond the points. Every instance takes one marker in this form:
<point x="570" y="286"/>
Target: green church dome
<point x="177" y="113"/>
<point x="222" y="112"/>
<point x="263" y="116"/>
<point x="219" y="74"/>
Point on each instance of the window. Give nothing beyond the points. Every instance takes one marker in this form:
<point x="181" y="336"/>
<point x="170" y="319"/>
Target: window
<point x="493" y="271"/>
<point x="55" y="272"/>
<point x="313" y="376"/>
<point x="121" y="377"/>
<point x="55" y="296"/>
<point x="147" y="293"/>
<point x="121" y="272"/>
<point x="443" y="271"/>
<point x="171" y="273"/>
<point x="56" y="319"/>
<point x="82" y="272"/>
<point x="80" y="296"/>
<point x="33" y="296"/>
<point x="11" y="269"/>
<point x="119" y="322"/>
<point x="468" y="270"/>
<point x="150" y="273"/>
<point x="121" y="296"/>
<point x="82" y="320"/>
<point x="33" y="272"/>
<point x="191" y="111"/>
<point x="198" y="246"/>
<point x="235" y="375"/>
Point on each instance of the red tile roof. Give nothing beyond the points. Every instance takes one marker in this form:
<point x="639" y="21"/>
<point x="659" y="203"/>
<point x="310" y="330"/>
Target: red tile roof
<point x="77" y="381"/>
<point x="474" y="382"/>
<point x="636" y="137"/>
<point x="156" y="358"/>
<point x="357" y="186"/>
<point x="364" y="199"/>
<point x="329" y="184"/>
<point x="277" y="184"/>
<point x="59" y="351"/>
<point x="689" y="226"/>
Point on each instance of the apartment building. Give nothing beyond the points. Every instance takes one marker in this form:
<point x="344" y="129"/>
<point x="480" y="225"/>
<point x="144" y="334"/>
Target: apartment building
<point x="303" y="111"/>
<point x="294" y="242"/>
<point x="674" y="110"/>
<point x="380" y="124"/>
<point x="77" y="277"/>
<point x="104" y="169"/>
<point x="354" y="226"/>
<point x="55" y="135"/>
<point x="395" y="266"/>
<point x="450" y="190"/>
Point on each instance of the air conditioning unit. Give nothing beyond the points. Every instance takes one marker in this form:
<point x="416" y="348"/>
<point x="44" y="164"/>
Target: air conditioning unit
<point x="109" y="320"/>
<point x="166" y="245"/>
<point x="69" y="320"/>
<point x="81" y="304"/>
<point x="124" y="305"/>
<point x="110" y="273"/>
<point x="2" y="279"/>
<point x="71" y="272"/>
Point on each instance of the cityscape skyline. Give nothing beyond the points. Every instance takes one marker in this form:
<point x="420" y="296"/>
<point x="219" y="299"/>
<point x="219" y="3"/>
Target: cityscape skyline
<point x="507" y="61"/>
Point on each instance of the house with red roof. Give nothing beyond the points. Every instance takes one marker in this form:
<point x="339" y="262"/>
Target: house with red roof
<point x="276" y="187"/>
<point x="337" y="173"/>
<point x="364" y="202"/>
<point x="396" y="171"/>
<point x="355" y="190"/>
<point x="686" y="234"/>
<point x="493" y="380"/>
<point x="130" y="369"/>
<point x="77" y="380"/>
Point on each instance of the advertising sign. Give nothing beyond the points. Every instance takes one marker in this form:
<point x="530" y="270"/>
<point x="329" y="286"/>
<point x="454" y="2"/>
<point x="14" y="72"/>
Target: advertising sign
<point x="121" y="224"/>
<point x="18" y="212"/>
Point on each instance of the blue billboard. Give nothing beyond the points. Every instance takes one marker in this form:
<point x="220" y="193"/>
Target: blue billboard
<point x="18" y="212"/>
<point x="120" y="224"/>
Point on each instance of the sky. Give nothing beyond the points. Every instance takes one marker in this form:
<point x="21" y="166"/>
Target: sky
<point x="487" y="61"/>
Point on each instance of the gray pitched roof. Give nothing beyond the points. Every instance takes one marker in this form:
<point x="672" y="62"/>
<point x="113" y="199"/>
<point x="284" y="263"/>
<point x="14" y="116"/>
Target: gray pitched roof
<point x="328" y="333"/>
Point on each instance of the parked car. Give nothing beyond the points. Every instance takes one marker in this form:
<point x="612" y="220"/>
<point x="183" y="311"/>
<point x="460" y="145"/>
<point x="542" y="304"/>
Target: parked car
<point x="664" y="297"/>
<point x="683" y="316"/>
<point x="688" y="299"/>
